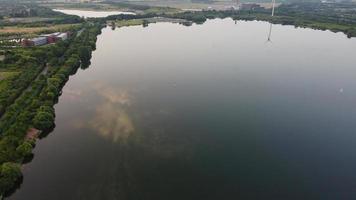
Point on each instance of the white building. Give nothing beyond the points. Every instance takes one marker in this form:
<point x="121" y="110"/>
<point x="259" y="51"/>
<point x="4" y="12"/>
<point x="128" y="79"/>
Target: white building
<point x="39" y="41"/>
<point x="63" y="36"/>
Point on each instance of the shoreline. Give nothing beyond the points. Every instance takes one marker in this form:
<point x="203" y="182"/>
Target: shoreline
<point x="35" y="114"/>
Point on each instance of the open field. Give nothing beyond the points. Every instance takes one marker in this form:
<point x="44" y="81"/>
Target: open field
<point x="5" y="75"/>
<point x="29" y="30"/>
<point x="161" y="10"/>
<point x="131" y="22"/>
<point x="26" y="20"/>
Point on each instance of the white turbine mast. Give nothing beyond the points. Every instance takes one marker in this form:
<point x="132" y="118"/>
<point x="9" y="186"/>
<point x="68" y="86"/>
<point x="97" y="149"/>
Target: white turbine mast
<point x="270" y="25"/>
<point x="273" y="5"/>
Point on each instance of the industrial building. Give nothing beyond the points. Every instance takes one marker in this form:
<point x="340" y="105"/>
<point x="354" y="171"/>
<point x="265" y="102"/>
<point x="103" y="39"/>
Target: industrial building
<point x="63" y="36"/>
<point x="51" y="38"/>
<point x="45" y="39"/>
<point x="39" y="41"/>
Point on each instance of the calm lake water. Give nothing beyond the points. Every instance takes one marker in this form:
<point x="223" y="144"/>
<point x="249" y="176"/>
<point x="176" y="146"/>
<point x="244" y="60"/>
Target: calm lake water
<point x="208" y="111"/>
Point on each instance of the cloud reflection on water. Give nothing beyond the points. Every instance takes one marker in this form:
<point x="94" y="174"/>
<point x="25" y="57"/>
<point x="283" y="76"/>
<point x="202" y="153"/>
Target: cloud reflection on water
<point x="111" y="118"/>
<point x="112" y="122"/>
<point x="72" y="95"/>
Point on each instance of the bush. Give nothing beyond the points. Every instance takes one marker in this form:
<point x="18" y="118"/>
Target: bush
<point x="9" y="174"/>
<point x="44" y="118"/>
<point x="25" y="149"/>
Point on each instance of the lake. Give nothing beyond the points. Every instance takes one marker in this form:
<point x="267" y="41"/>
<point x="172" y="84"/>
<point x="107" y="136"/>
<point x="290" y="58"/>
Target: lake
<point x="95" y="14"/>
<point x="209" y="111"/>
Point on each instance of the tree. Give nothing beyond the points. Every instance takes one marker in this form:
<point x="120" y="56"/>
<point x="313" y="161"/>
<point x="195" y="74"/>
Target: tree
<point x="44" y="118"/>
<point x="9" y="174"/>
<point x="25" y="149"/>
<point x="85" y="55"/>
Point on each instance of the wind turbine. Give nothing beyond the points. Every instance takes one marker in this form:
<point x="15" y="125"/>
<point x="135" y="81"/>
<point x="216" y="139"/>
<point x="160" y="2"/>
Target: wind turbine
<point x="273" y="5"/>
<point x="270" y="24"/>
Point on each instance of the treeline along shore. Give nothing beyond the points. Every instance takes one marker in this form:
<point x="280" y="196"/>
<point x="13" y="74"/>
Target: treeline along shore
<point x="336" y="17"/>
<point x="31" y="115"/>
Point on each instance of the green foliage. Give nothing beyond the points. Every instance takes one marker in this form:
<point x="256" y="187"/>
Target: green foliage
<point x="25" y="149"/>
<point x="9" y="174"/>
<point x="336" y="17"/>
<point x="28" y="97"/>
<point x="26" y="66"/>
<point x="43" y="15"/>
<point x="197" y="17"/>
<point x="44" y="118"/>
<point x="85" y="55"/>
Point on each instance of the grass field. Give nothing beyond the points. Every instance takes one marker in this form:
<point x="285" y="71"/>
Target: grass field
<point x="131" y="22"/>
<point x="160" y="10"/>
<point x="27" y="20"/>
<point x="5" y="75"/>
<point x="27" y="30"/>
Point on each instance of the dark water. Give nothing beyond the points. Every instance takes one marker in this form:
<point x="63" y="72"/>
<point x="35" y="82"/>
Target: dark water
<point x="204" y="112"/>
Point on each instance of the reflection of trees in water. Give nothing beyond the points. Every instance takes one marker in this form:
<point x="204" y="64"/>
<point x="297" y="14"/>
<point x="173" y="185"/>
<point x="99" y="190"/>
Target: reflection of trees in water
<point x="45" y="133"/>
<point x="17" y="186"/>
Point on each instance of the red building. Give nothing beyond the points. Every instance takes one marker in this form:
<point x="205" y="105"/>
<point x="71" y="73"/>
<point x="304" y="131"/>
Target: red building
<point x="27" y="43"/>
<point x="51" y="39"/>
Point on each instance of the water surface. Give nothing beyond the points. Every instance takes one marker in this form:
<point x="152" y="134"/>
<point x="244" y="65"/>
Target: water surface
<point x="88" y="13"/>
<point x="204" y="112"/>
